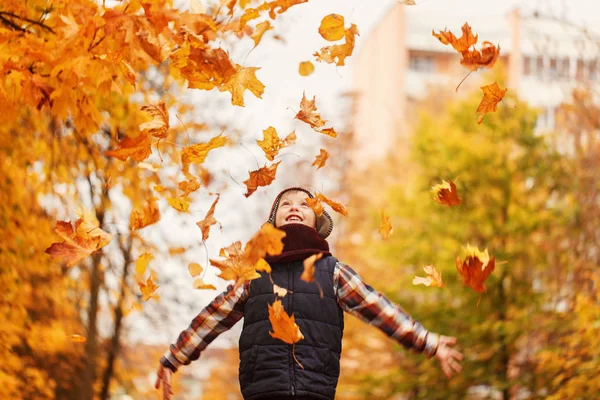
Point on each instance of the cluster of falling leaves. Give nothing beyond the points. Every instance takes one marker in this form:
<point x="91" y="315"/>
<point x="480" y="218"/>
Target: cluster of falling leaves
<point x="474" y="59"/>
<point x="474" y="267"/>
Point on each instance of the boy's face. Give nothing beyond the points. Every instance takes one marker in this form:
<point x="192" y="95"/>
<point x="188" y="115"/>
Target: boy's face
<point x="293" y="209"/>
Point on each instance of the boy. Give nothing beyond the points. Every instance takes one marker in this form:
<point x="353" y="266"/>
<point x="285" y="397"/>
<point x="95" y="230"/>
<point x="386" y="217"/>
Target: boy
<point x="268" y="369"/>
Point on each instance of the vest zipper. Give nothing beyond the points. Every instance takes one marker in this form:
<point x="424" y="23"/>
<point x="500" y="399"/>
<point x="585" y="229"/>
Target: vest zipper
<point x="292" y="373"/>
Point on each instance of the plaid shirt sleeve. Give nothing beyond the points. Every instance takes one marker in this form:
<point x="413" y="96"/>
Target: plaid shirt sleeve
<point x="361" y="300"/>
<point x="220" y="315"/>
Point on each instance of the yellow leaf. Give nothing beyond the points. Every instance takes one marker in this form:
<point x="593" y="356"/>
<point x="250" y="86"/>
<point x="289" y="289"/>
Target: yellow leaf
<point x="260" y="31"/>
<point x="137" y="148"/>
<point x="321" y="159"/>
<point x="306" y="68"/>
<point x="271" y="143"/>
<point x="148" y="215"/>
<point x="263" y="265"/>
<point x="142" y="263"/>
<point x="208" y="221"/>
<point x="178" y="203"/>
<point x="195" y="269"/>
<point x="244" y="79"/>
<point x="199" y="284"/>
<point x="147" y="288"/>
<point x="385" y="229"/>
<point x="332" y="27"/>
<point x="261" y="177"/>
<point x="197" y="153"/>
<point x="78" y="338"/>
<point x="434" y="277"/>
<point x="338" y="53"/>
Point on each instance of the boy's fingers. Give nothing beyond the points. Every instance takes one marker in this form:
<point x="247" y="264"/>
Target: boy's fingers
<point x="456" y="366"/>
<point x="456" y="354"/>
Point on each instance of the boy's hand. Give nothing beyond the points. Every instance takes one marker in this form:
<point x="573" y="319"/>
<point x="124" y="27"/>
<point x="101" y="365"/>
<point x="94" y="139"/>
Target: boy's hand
<point x="164" y="375"/>
<point x="448" y="357"/>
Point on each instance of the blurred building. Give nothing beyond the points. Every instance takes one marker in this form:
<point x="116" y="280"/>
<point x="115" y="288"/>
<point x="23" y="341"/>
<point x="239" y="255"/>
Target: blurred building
<point x="397" y="62"/>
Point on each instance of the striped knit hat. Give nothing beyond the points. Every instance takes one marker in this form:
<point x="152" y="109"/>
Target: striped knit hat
<point x="324" y="221"/>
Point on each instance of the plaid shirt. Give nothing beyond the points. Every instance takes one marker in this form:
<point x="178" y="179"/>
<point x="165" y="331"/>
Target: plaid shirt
<point x="353" y="296"/>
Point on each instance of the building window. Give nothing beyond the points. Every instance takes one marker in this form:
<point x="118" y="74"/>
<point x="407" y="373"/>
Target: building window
<point x="527" y="65"/>
<point x="422" y="63"/>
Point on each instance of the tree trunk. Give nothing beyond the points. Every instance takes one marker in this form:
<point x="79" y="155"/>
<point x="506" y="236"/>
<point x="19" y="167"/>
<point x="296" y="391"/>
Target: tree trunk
<point x="91" y="345"/>
<point x="115" y="340"/>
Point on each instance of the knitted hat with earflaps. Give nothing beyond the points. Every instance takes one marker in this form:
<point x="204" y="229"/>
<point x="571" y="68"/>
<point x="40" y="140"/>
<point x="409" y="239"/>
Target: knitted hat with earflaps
<point x="324" y="221"/>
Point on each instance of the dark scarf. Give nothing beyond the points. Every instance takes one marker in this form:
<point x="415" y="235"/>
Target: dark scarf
<point x="299" y="243"/>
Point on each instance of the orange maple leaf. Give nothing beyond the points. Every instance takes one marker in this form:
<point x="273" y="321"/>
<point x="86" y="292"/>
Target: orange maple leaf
<point x="148" y="215"/>
<point x="268" y="240"/>
<point x="315" y="204"/>
<point x="329" y="132"/>
<point x="241" y="266"/>
<point x="339" y="52"/>
<point x="445" y="193"/>
<point x="308" y="275"/>
<point x="178" y="203"/>
<point x="260" y="31"/>
<point x="76" y="244"/>
<point x="321" y="159"/>
<point x="475" y="268"/>
<point x="385" y="229"/>
<point x="159" y="126"/>
<point x="137" y="148"/>
<point x="486" y="58"/>
<point x="332" y="27"/>
<point x="307" y="113"/>
<point x="244" y="79"/>
<point x="189" y="186"/>
<point x="209" y="220"/>
<point x="271" y="143"/>
<point x="284" y="326"/>
<point x="148" y="288"/>
<point x="263" y="176"/>
<point x="197" y="153"/>
<point x="142" y="263"/>
<point x="434" y="277"/>
<point x="461" y="44"/>
<point x="306" y="68"/>
<point x="492" y="95"/>
<point x="282" y="6"/>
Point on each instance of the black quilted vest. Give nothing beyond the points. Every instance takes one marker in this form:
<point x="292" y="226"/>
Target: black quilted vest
<point x="267" y="366"/>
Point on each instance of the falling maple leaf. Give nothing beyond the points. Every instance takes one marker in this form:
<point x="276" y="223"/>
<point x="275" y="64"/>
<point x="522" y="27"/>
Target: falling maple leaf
<point x="76" y="245"/>
<point x="434" y="277"/>
<point x="284" y="326"/>
<point x="178" y="203"/>
<point x="197" y="153"/>
<point x="271" y="143"/>
<point x="176" y="251"/>
<point x="208" y="221"/>
<point x="461" y="44"/>
<point x="332" y="27"/>
<point x="188" y="186"/>
<point x="329" y="132"/>
<point x="148" y="288"/>
<point x="244" y="79"/>
<point x="445" y="193"/>
<point x="260" y="30"/>
<point x="305" y="68"/>
<point x="315" y="204"/>
<point x="142" y="263"/>
<point x="486" y="58"/>
<point x="385" y="229"/>
<point x="408" y="2"/>
<point x="492" y="95"/>
<point x="148" y="215"/>
<point x="263" y="176"/>
<point x="279" y="291"/>
<point x="282" y="6"/>
<point x="475" y="268"/>
<point x="268" y="240"/>
<point x="321" y="159"/>
<point x="200" y="284"/>
<point x="307" y="113"/>
<point x="159" y="126"/>
<point x="338" y="53"/>
<point x="138" y="148"/>
<point x="308" y="275"/>
<point x="262" y="265"/>
<point x="195" y="269"/>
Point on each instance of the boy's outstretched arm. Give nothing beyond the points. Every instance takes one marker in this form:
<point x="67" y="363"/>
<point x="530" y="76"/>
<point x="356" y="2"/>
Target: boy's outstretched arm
<point x="361" y="300"/>
<point x="219" y="316"/>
